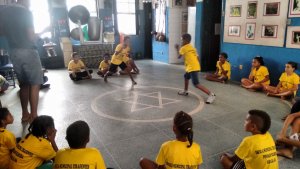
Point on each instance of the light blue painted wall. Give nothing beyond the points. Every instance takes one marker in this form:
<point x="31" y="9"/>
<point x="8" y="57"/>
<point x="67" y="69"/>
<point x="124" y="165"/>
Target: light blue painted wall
<point x="161" y="49"/>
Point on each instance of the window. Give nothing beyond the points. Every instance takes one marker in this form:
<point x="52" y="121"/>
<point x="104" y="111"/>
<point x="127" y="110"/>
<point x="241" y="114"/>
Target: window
<point x="89" y="4"/>
<point x="126" y="16"/>
<point x="41" y="17"/>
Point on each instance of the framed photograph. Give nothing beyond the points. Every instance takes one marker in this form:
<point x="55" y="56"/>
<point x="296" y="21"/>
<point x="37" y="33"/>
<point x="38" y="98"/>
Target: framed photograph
<point x="234" y="30"/>
<point x="252" y="10"/>
<point x="294" y="8"/>
<point x="293" y="37"/>
<point x="269" y="31"/>
<point x="250" y="31"/>
<point x="296" y="37"/>
<point x="235" y="11"/>
<point x="177" y="2"/>
<point x="272" y="9"/>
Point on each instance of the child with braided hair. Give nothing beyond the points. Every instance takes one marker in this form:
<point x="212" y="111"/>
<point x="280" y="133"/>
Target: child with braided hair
<point x="180" y="152"/>
<point x="37" y="147"/>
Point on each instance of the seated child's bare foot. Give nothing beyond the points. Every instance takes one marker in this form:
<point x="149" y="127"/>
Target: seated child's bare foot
<point x="288" y="153"/>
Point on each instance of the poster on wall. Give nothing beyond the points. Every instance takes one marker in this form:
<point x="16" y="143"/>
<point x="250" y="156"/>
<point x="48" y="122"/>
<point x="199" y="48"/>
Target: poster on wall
<point x="252" y="10"/>
<point x="261" y="22"/>
<point x="250" y="31"/>
<point x="294" y="8"/>
<point x="293" y="37"/>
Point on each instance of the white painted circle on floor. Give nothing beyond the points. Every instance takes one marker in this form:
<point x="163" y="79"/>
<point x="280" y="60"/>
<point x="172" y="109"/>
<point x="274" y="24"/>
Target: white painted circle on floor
<point x="146" y="104"/>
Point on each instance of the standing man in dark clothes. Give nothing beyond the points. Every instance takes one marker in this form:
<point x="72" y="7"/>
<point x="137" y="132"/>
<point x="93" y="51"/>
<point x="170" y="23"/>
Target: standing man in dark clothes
<point x="17" y="26"/>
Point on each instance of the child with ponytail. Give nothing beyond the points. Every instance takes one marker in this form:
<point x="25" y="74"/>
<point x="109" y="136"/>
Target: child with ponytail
<point x="179" y="152"/>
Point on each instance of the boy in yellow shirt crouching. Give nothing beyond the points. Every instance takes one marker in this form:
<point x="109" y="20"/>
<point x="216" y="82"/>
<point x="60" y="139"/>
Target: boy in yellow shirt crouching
<point x="257" y="151"/>
<point x="104" y="65"/>
<point x="78" y="156"/>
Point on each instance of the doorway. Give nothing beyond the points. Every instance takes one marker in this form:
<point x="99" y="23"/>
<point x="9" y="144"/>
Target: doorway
<point x="148" y="29"/>
<point x="211" y="30"/>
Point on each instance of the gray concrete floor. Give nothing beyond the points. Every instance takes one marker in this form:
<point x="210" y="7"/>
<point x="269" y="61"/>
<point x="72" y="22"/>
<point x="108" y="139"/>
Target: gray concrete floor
<point x="129" y="123"/>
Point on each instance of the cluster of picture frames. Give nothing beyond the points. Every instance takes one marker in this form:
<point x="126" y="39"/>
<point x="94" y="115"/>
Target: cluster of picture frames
<point x="268" y="31"/>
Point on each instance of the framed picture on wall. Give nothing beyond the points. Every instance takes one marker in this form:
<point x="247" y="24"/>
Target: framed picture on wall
<point x="235" y="11"/>
<point x="250" y="31"/>
<point x="252" y="10"/>
<point x="177" y="3"/>
<point x="272" y="9"/>
<point x="269" y="31"/>
<point x="293" y="37"/>
<point x="234" y="30"/>
<point x="294" y="8"/>
<point x="296" y="37"/>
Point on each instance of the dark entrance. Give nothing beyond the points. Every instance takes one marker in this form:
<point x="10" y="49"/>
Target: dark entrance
<point x="148" y="29"/>
<point x="211" y="27"/>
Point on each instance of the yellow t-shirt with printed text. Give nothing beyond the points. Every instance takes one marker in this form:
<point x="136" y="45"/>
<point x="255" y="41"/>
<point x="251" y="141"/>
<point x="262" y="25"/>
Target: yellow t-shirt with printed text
<point x="7" y="144"/>
<point x="190" y="57"/>
<point x="258" y="152"/>
<point x="288" y="82"/>
<point x="31" y="152"/>
<point x="89" y="158"/>
<point x="103" y="65"/>
<point x="118" y="59"/>
<point x="76" y="66"/>
<point x="226" y="66"/>
<point x="175" y="154"/>
<point x="260" y="74"/>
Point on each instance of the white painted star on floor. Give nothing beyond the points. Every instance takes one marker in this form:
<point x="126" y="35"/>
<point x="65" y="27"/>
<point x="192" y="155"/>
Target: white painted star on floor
<point x="143" y="101"/>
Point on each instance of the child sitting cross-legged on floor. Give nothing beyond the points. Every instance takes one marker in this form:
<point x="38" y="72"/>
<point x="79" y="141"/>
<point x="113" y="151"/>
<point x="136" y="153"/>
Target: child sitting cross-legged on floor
<point x="181" y="152"/>
<point x="77" y="69"/>
<point x="223" y="71"/>
<point x="257" y="151"/>
<point x="78" y="155"/>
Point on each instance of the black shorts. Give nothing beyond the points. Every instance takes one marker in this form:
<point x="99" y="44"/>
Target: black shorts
<point x="238" y="165"/>
<point x="113" y="67"/>
<point x="192" y="75"/>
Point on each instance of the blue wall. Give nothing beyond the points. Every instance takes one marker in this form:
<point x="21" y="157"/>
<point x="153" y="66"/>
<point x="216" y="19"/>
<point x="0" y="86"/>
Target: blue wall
<point x="161" y="49"/>
<point x="275" y="57"/>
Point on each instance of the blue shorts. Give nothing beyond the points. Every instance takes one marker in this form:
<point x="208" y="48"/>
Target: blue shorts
<point x="192" y="75"/>
<point x="27" y="65"/>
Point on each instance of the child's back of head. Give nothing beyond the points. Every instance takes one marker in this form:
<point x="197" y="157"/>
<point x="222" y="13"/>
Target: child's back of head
<point x="261" y="119"/>
<point x="184" y="125"/>
<point x="78" y="134"/>
<point x="40" y="126"/>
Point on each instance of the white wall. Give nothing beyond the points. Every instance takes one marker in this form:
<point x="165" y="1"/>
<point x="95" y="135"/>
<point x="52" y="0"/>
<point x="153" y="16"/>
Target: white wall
<point x="192" y="23"/>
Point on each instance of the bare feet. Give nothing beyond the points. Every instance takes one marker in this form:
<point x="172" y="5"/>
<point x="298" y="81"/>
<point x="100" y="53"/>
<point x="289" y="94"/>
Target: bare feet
<point x="26" y="117"/>
<point x="288" y="153"/>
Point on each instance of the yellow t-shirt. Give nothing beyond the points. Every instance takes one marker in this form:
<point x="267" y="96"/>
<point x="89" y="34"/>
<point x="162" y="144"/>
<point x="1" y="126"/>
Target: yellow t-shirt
<point x="288" y="82"/>
<point x="226" y="66"/>
<point x="118" y="59"/>
<point x="31" y="152"/>
<point x="174" y="154"/>
<point x="260" y="74"/>
<point x="103" y="65"/>
<point x="190" y="58"/>
<point x="89" y="158"/>
<point x="258" y="152"/>
<point x="126" y="59"/>
<point x="75" y="66"/>
<point x="7" y="143"/>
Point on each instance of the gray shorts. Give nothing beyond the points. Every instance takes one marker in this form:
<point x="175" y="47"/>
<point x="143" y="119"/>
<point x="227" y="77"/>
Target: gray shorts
<point x="27" y="65"/>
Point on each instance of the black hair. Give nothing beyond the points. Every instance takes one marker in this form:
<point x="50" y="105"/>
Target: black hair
<point x="293" y="64"/>
<point x="184" y="124"/>
<point x="106" y="55"/>
<point x="3" y="114"/>
<point x="40" y="125"/>
<point x="224" y="55"/>
<point x="78" y="134"/>
<point x="74" y="54"/>
<point x="187" y="37"/>
<point x="260" y="60"/>
<point x="126" y="37"/>
<point x="261" y="119"/>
